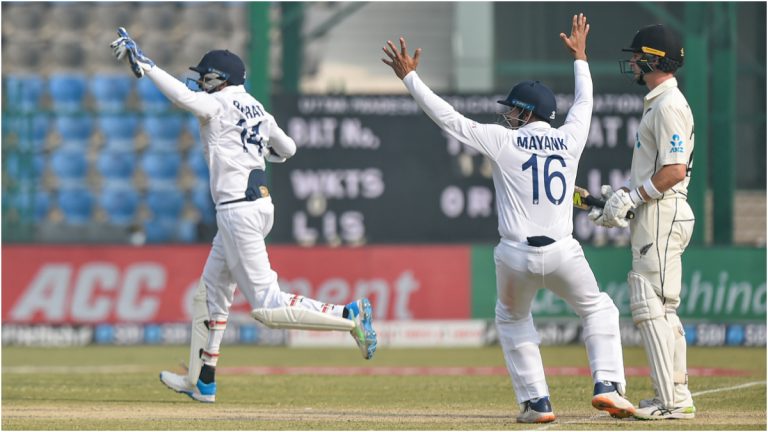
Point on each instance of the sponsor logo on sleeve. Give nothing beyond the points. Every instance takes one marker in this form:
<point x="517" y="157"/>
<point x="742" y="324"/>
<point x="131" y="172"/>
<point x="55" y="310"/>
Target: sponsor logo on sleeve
<point x="677" y="144"/>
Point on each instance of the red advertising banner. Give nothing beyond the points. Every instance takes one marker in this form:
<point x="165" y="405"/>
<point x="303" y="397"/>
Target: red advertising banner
<point x="113" y="284"/>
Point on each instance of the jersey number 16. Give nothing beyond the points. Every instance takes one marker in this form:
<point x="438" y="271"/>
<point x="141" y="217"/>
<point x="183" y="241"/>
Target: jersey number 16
<point x="549" y="176"/>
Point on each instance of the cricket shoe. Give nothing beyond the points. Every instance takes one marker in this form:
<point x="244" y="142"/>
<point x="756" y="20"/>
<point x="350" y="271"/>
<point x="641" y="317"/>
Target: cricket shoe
<point x="537" y="410"/>
<point x="361" y="313"/>
<point x="201" y="392"/>
<point x="645" y="403"/>
<point x="606" y="397"/>
<point x="656" y="411"/>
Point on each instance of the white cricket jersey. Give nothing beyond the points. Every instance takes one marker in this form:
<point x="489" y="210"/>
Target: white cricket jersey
<point x="235" y="130"/>
<point x="534" y="167"/>
<point x="664" y="137"/>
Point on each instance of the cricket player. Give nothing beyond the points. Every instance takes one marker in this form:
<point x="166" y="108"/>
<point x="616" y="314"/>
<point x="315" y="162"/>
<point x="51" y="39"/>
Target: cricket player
<point x="534" y="169"/>
<point x="238" y="135"/>
<point x="661" y="230"/>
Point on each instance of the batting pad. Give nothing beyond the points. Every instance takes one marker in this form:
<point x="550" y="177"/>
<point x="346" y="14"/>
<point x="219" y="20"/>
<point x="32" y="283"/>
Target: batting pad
<point x="300" y="319"/>
<point x="657" y="335"/>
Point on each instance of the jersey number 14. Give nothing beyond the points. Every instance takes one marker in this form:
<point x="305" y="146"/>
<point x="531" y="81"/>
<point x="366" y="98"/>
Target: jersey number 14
<point x="549" y="176"/>
<point x="251" y="136"/>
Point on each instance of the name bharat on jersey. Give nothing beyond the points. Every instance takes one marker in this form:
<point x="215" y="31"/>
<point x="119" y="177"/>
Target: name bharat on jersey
<point x="534" y="142"/>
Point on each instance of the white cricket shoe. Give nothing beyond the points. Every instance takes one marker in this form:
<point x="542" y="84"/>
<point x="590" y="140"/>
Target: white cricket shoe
<point x="201" y="392"/>
<point x="657" y="411"/>
<point x="645" y="403"/>
<point x="536" y="411"/>
<point x="361" y="313"/>
<point x="607" y="398"/>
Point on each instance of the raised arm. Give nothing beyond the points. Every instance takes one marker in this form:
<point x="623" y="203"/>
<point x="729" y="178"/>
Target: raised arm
<point x="198" y="103"/>
<point x="580" y="115"/>
<point x="487" y="139"/>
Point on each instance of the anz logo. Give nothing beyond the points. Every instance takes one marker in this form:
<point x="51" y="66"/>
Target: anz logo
<point x="677" y="144"/>
<point x="637" y="140"/>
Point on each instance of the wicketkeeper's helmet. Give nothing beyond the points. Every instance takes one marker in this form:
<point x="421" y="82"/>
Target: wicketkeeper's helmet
<point x="218" y="66"/>
<point x="535" y="97"/>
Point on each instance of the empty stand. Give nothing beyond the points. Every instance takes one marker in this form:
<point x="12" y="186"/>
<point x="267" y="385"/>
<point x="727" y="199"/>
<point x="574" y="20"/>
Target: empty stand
<point x="67" y="91"/>
<point x="74" y="130"/>
<point x="120" y="203"/>
<point x="163" y="131"/>
<point x="110" y="92"/>
<point x="76" y="204"/>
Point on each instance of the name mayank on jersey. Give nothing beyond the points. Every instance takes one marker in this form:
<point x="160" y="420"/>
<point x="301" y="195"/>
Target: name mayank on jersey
<point x="534" y="142"/>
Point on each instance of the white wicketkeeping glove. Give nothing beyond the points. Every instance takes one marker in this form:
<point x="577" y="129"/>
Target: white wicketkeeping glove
<point x="596" y="214"/>
<point x="124" y="47"/>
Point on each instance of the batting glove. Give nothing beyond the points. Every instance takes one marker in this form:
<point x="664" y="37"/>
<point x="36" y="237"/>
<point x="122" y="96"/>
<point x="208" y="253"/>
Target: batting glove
<point x="596" y="214"/>
<point x="124" y="47"/>
<point x="617" y="206"/>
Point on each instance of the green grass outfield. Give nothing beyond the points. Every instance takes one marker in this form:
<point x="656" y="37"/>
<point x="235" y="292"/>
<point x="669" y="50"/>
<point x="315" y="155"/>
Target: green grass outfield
<point x="117" y="388"/>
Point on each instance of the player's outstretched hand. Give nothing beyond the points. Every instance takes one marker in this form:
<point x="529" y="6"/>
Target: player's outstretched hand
<point x="401" y="62"/>
<point x="577" y="41"/>
<point x="124" y="46"/>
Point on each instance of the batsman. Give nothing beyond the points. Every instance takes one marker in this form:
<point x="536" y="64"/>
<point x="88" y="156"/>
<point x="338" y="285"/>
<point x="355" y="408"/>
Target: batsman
<point x="239" y="136"/>
<point x="657" y="193"/>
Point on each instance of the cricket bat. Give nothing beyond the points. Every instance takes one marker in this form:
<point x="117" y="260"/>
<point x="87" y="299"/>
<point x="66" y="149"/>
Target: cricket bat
<point x="583" y="200"/>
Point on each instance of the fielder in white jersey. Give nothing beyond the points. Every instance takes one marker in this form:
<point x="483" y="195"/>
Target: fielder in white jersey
<point x="534" y="169"/>
<point x="238" y="136"/>
<point x="661" y="230"/>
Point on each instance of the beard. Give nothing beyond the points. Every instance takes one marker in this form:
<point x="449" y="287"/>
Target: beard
<point x="640" y="80"/>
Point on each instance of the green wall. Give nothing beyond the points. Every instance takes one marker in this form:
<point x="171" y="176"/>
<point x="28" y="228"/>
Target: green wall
<point x="719" y="284"/>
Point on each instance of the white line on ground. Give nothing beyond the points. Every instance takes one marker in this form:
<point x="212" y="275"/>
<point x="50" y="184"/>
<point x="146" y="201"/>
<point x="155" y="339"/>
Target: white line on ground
<point x="749" y="384"/>
<point x="703" y="392"/>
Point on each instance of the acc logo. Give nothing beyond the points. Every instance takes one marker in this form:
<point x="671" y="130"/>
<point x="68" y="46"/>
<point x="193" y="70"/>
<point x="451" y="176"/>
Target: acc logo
<point x="677" y="144"/>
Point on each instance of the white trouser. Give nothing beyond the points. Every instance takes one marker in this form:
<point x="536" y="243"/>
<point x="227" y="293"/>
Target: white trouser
<point x="660" y="233"/>
<point x="239" y="258"/>
<point x="561" y="267"/>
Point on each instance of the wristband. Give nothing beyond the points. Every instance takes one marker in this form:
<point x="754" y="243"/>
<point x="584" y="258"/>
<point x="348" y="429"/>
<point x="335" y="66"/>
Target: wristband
<point x="636" y="197"/>
<point x="651" y="190"/>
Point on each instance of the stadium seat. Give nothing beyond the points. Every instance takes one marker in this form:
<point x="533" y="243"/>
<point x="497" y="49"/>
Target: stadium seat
<point x="193" y="127"/>
<point x="161" y="166"/>
<point x="75" y="130"/>
<point x="24" y="167"/>
<point x="76" y="204"/>
<point x="110" y="92"/>
<point x="187" y="231"/>
<point x="67" y="92"/>
<point x="69" y="165"/>
<point x="28" y="131"/>
<point x="202" y="201"/>
<point x="165" y="203"/>
<point x="163" y="130"/>
<point x="23" y="92"/>
<point x="119" y="130"/>
<point x="160" y="230"/>
<point x="150" y="97"/>
<point x="120" y="203"/>
<point x="116" y="165"/>
<point x="33" y="203"/>
<point x="196" y="162"/>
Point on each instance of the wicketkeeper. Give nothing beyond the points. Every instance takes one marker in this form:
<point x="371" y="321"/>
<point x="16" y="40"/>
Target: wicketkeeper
<point x="238" y="137"/>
